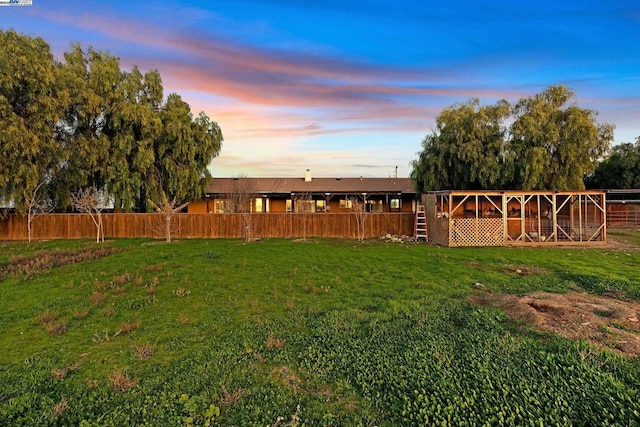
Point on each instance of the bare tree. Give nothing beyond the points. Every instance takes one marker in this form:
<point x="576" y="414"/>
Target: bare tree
<point x="168" y="209"/>
<point x="92" y="202"/>
<point x="358" y="209"/>
<point x="35" y="205"/>
<point x="304" y="204"/>
<point x="239" y="199"/>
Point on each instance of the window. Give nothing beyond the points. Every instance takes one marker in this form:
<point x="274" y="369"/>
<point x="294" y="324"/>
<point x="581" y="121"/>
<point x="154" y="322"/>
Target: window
<point x="374" y="206"/>
<point x="289" y="205"/>
<point x="395" y="203"/>
<point x="346" y="204"/>
<point x="321" y="205"/>
<point x="258" y="205"/>
<point x="219" y="205"/>
<point x="305" y="206"/>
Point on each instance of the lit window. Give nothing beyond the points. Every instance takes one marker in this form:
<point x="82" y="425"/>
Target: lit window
<point x="346" y="204"/>
<point x="395" y="204"/>
<point x="219" y="205"/>
<point x="289" y="205"/>
<point x="258" y="205"/>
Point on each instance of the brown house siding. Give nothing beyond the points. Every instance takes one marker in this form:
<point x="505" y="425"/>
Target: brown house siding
<point x="275" y="192"/>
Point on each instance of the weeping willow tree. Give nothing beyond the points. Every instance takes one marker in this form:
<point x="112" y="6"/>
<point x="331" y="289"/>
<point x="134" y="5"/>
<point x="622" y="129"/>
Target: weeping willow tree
<point x="83" y="122"/>
<point x="31" y="100"/>
<point x="555" y="143"/>
<point x="551" y="144"/>
<point x="466" y="150"/>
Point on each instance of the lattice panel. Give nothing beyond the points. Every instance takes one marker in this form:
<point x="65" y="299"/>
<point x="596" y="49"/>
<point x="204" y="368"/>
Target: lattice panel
<point x="476" y="232"/>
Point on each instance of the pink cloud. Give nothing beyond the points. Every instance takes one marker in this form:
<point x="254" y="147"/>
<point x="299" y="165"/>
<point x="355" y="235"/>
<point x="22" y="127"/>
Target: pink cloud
<point x="215" y="64"/>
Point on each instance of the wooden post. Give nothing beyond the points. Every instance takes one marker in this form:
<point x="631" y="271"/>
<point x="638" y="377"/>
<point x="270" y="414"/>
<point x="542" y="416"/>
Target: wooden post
<point x="505" y="226"/>
<point x="554" y="220"/>
<point x="604" y="217"/>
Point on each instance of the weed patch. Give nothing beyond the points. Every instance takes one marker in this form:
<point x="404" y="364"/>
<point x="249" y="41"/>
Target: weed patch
<point x="181" y="292"/>
<point x="96" y="298"/>
<point x="227" y="398"/>
<point x="143" y="351"/>
<point x="46" y="317"/>
<point x="273" y="342"/>
<point x="121" y="382"/>
<point x="62" y="373"/>
<point x="128" y="327"/>
<point x="60" y="408"/>
<point x="42" y="261"/>
<point x="56" y="327"/>
<point x="80" y="313"/>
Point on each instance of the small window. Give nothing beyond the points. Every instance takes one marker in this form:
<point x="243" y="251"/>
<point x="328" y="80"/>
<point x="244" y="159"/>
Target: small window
<point x="321" y="205"/>
<point x="374" y="206"/>
<point x="289" y="204"/>
<point x="219" y="205"/>
<point x="346" y="204"/>
<point x="305" y="206"/>
<point x="395" y="204"/>
<point x="258" y="205"/>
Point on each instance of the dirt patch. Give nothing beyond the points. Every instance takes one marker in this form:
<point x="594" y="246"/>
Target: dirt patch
<point x="286" y="377"/>
<point x="606" y="322"/>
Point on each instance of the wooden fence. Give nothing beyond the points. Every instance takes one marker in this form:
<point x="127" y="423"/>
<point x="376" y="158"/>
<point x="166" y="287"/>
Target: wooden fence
<point x="623" y="219"/>
<point x="187" y="226"/>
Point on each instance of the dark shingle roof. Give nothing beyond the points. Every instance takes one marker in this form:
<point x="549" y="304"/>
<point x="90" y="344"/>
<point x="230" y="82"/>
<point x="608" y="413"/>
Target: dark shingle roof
<point x="316" y="185"/>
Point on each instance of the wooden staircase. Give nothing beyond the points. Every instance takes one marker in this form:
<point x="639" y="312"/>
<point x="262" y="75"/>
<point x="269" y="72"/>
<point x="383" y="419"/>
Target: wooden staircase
<point x="420" y="225"/>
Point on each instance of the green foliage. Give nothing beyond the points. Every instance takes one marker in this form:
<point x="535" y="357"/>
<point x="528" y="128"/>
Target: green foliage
<point x="554" y="145"/>
<point x="547" y="146"/>
<point x="335" y="334"/>
<point x="31" y="99"/>
<point x="621" y="169"/>
<point x="84" y="123"/>
<point x="183" y="151"/>
<point x="457" y="365"/>
<point x="193" y="406"/>
<point x="466" y="150"/>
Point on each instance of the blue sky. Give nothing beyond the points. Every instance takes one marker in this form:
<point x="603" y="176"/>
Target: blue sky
<point x="350" y="88"/>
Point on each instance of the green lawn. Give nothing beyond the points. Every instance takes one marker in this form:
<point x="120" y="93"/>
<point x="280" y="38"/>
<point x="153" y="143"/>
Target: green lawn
<point x="322" y="332"/>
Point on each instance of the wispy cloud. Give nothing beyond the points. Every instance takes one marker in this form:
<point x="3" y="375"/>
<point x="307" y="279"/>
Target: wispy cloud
<point x="212" y="62"/>
<point x="271" y="100"/>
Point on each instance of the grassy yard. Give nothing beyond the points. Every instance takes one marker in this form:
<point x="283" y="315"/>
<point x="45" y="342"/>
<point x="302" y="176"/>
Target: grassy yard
<point x="289" y="333"/>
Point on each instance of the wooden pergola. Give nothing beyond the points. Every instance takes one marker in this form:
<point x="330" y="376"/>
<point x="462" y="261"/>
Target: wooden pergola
<point x="498" y="218"/>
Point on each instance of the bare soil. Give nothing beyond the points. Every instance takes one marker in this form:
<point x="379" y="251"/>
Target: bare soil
<point x="606" y="322"/>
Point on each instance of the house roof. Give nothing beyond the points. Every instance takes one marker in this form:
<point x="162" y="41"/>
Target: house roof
<point x="316" y="185"/>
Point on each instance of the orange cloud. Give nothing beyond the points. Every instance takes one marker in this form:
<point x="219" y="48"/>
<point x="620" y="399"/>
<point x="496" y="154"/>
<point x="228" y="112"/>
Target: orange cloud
<point x="269" y="102"/>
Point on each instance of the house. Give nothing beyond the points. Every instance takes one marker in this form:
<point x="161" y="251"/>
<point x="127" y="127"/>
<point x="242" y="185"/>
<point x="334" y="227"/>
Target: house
<point x="307" y="194"/>
<point x="497" y="218"/>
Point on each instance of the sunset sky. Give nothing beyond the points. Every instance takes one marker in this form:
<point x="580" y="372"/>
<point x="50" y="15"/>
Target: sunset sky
<point x="350" y="88"/>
